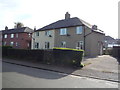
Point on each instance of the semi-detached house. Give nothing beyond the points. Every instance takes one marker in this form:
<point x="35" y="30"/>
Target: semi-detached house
<point x="17" y="37"/>
<point x="70" y="33"/>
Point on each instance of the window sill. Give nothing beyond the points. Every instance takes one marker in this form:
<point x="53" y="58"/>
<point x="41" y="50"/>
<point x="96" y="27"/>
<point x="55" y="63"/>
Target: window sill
<point x="78" y="34"/>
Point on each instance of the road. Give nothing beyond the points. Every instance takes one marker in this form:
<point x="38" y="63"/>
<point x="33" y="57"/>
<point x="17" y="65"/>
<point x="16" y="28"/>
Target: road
<point x="16" y="76"/>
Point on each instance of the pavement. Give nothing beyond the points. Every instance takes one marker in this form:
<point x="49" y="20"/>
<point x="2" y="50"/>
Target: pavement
<point x="102" y="67"/>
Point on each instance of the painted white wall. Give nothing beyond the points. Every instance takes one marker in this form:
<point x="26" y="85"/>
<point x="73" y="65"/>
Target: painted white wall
<point x="42" y="38"/>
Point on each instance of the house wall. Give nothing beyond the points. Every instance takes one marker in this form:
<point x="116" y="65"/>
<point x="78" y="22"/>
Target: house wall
<point x="94" y="44"/>
<point x="41" y="39"/>
<point x="92" y="47"/>
<point x="23" y="40"/>
<point x="91" y="41"/>
<point x="71" y="41"/>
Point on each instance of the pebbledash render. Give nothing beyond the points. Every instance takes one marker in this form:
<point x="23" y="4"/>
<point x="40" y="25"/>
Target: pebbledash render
<point x="70" y="33"/>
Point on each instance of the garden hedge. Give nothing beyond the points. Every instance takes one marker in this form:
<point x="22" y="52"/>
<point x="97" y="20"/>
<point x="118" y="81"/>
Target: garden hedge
<point x="58" y="56"/>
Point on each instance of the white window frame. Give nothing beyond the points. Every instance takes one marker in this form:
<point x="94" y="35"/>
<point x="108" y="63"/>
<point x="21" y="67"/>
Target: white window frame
<point x="11" y="43"/>
<point x="79" y="30"/>
<point x="47" y="33"/>
<point x="5" y="36"/>
<point x="12" y="35"/>
<point x="63" y="31"/>
<point x="16" y="43"/>
<point x="80" y="45"/>
<point x="16" y="35"/>
<point x="37" y="45"/>
<point x="63" y="44"/>
<point x="37" y="33"/>
<point x="47" y="45"/>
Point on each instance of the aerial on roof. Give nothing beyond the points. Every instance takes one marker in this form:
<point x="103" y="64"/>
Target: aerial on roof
<point x="16" y="30"/>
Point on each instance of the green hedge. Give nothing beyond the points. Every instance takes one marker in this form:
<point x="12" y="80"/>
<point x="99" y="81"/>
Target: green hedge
<point x="5" y="50"/>
<point x="58" y="56"/>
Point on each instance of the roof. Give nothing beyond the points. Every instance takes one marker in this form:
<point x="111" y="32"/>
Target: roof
<point x="71" y="22"/>
<point x="16" y="30"/>
<point x="63" y="23"/>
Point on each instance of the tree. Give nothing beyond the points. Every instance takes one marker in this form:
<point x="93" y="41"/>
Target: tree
<point x="18" y="25"/>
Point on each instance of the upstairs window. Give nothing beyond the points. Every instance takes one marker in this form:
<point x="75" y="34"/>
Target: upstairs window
<point x="47" y="45"/>
<point x="5" y="36"/>
<point x="79" y="45"/>
<point x="63" y="31"/>
<point x="12" y="35"/>
<point x="47" y="33"/>
<point x="16" y="35"/>
<point x="37" y="33"/>
<point x="79" y="30"/>
<point x="63" y="44"/>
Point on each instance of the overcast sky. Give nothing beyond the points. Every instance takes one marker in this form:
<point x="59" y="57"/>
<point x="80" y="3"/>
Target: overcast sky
<point x="103" y="13"/>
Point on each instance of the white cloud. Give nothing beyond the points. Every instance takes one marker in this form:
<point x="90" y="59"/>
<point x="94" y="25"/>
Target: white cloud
<point x="42" y="12"/>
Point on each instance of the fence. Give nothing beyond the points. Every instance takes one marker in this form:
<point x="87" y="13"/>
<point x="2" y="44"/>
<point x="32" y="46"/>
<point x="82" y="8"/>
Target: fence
<point x="116" y="51"/>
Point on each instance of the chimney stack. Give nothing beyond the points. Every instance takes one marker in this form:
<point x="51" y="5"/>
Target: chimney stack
<point x="35" y="28"/>
<point x="67" y="15"/>
<point x="94" y="27"/>
<point x="6" y="28"/>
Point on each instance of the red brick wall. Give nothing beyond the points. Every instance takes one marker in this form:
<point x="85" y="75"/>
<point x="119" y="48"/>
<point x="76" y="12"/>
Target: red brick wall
<point x="23" y="40"/>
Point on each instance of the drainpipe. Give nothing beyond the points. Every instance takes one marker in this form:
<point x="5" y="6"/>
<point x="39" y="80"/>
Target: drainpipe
<point x="84" y="36"/>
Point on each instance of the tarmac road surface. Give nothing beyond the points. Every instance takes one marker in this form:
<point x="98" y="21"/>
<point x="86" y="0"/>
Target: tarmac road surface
<point x="16" y="76"/>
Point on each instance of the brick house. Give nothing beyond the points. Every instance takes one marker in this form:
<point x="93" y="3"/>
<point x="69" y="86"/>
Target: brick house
<point x="70" y="33"/>
<point x="17" y="37"/>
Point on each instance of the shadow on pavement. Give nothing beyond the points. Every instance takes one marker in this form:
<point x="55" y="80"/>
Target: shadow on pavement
<point x="34" y="72"/>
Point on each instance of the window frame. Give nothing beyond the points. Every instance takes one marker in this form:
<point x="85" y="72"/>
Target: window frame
<point x="79" y="30"/>
<point x="47" y="45"/>
<point x="5" y="43"/>
<point x="47" y="33"/>
<point x="37" y="45"/>
<point x="80" y="45"/>
<point x="12" y="35"/>
<point x="37" y="33"/>
<point x="16" y="44"/>
<point x="11" y="43"/>
<point x="5" y="35"/>
<point x="16" y="35"/>
<point x="63" y="44"/>
<point x="63" y="31"/>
